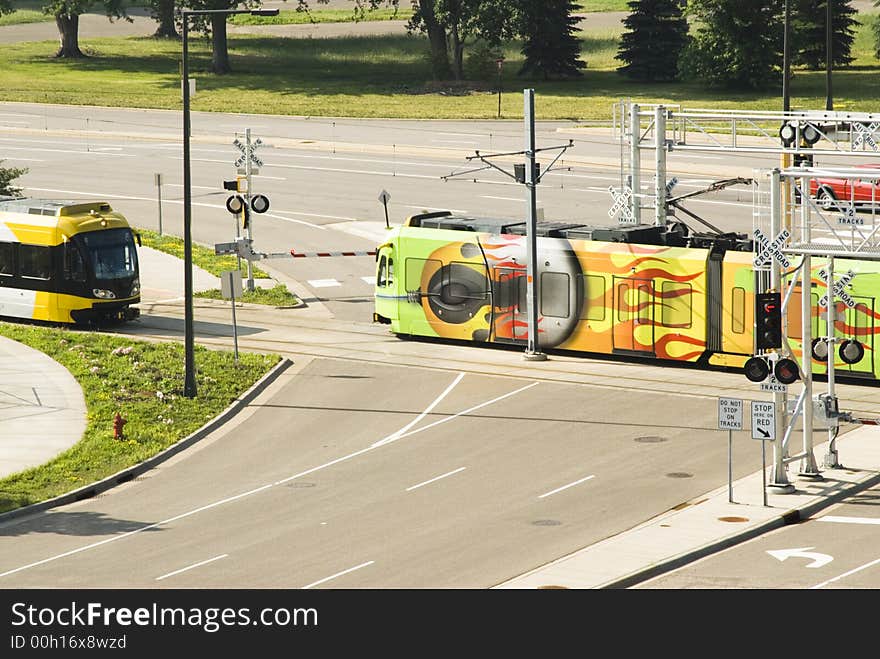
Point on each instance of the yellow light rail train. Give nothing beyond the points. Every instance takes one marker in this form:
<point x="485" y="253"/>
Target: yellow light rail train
<point x="71" y="262"/>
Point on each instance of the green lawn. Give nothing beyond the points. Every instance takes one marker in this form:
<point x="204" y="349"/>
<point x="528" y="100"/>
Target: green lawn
<point x="379" y="76"/>
<point x="143" y="381"/>
<point x="292" y="17"/>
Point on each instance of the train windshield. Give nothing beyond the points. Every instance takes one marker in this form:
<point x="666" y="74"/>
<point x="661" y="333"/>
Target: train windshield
<point x="111" y="253"/>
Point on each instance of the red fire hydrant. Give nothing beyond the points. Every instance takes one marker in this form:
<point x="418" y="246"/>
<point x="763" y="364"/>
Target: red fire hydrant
<point x="118" y="422"/>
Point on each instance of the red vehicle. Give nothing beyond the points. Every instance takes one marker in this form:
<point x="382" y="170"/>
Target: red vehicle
<point x="830" y="192"/>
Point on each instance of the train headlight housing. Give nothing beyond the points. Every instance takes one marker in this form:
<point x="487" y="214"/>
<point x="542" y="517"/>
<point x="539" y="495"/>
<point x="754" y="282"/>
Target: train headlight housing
<point x="103" y="294"/>
<point x="135" y="288"/>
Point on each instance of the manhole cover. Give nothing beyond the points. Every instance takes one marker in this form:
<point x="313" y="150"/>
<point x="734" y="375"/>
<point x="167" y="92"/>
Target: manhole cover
<point x="650" y="439"/>
<point x="679" y="474"/>
<point x="546" y="522"/>
<point x="733" y="519"/>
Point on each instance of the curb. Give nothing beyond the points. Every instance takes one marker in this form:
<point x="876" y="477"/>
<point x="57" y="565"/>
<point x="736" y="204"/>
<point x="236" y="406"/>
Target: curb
<point x="129" y="473"/>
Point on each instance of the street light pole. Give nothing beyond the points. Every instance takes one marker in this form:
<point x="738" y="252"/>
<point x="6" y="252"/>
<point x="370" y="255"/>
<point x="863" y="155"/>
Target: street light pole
<point x="829" y="103"/>
<point x="189" y="380"/>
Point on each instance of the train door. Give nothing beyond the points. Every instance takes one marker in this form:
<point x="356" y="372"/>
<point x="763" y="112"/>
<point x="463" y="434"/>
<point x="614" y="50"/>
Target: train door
<point x="633" y="315"/>
<point x="510" y="314"/>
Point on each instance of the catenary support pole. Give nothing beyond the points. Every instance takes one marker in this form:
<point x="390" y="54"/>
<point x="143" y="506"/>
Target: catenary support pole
<point x="660" y="166"/>
<point x="635" y="162"/>
<point x="533" y="350"/>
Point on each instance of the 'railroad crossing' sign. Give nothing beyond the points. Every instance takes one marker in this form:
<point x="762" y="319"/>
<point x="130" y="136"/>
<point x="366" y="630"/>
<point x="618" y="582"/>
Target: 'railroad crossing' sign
<point x="864" y="136"/>
<point x="623" y="205"/>
<point x="771" y="250"/>
<point x="763" y="420"/>
<point x="247" y="153"/>
<point x="837" y="289"/>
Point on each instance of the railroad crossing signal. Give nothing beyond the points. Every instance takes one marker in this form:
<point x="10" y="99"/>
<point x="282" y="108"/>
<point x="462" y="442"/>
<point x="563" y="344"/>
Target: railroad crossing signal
<point x="763" y="420"/>
<point x="623" y="205"/>
<point x="771" y="250"/>
<point x="837" y="289"/>
<point x="865" y="136"/>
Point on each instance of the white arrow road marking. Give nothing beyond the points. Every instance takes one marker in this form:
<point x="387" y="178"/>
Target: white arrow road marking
<point x="802" y="552"/>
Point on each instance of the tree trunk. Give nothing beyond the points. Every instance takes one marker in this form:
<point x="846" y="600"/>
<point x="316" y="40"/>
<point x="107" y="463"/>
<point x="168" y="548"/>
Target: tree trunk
<point x="68" y="27"/>
<point x="220" y="56"/>
<point x="437" y="40"/>
<point x="457" y="54"/>
<point x="164" y="15"/>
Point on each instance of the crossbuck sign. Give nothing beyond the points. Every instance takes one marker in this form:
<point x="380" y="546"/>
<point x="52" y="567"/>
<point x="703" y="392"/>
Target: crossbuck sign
<point x="622" y="204"/>
<point x="837" y="289"/>
<point x="865" y="136"/>
<point x="771" y="250"/>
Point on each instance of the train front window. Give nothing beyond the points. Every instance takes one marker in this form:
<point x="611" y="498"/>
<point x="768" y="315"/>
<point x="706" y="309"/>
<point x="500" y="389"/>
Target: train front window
<point x="110" y="253"/>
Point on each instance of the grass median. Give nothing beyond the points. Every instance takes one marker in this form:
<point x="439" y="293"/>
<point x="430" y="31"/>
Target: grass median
<point x="205" y="258"/>
<point x="383" y="76"/>
<point x="143" y="382"/>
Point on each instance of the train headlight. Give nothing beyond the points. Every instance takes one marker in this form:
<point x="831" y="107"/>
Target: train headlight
<point x="135" y="288"/>
<point x="103" y="294"/>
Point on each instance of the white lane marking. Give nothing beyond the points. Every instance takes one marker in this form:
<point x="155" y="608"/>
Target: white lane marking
<point x="486" y="196"/>
<point x="421" y="416"/>
<point x="846" y="574"/>
<point x="338" y="574"/>
<point x="368" y="280"/>
<point x="173" y="201"/>
<point x="565" y="487"/>
<point x="338" y="170"/>
<point x="180" y="185"/>
<point x="849" y="520"/>
<point x="80" y="152"/>
<point x="190" y="567"/>
<point x="28" y="159"/>
<point x="456" y="141"/>
<point x="237" y="497"/>
<point x="436" y="478"/>
<point x="468" y="411"/>
<point x="323" y="283"/>
<point x="331" y="217"/>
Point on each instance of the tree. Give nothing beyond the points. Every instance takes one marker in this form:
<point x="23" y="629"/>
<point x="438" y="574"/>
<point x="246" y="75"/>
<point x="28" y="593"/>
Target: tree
<point x="7" y="176"/>
<point x="551" y="48"/>
<point x="808" y="32"/>
<point x="215" y="26"/>
<point x="449" y="26"/>
<point x="736" y="44"/>
<point x="162" y="11"/>
<point x="657" y="32"/>
<point x="67" y="13"/>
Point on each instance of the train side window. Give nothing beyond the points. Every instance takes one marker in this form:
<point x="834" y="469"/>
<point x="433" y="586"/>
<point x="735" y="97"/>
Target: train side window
<point x="7" y="259"/>
<point x="385" y="276"/>
<point x="35" y="261"/>
<point x="414" y="270"/>
<point x="74" y="266"/>
<point x="738" y="310"/>
<point x="594" y="297"/>
<point x="622" y="304"/>
<point x="676" y="304"/>
<point x="555" y="294"/>
<point x="466" y="281"/>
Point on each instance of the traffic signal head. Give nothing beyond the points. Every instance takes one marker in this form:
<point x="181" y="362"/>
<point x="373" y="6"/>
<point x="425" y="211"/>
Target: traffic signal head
<point x="756" y="369"/>
<point x="786" y="371"/>
<point x="819" y="349"/>
<point x="851" y="351"/>
<point x="768" y="320"/>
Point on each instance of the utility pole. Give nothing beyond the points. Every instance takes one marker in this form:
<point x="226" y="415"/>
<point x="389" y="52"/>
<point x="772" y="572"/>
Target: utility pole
<point x="829" y="103"/>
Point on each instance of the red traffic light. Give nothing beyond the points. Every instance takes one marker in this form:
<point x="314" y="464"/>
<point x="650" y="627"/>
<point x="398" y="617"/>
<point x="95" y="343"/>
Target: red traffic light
<point x="786" y="371"/>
